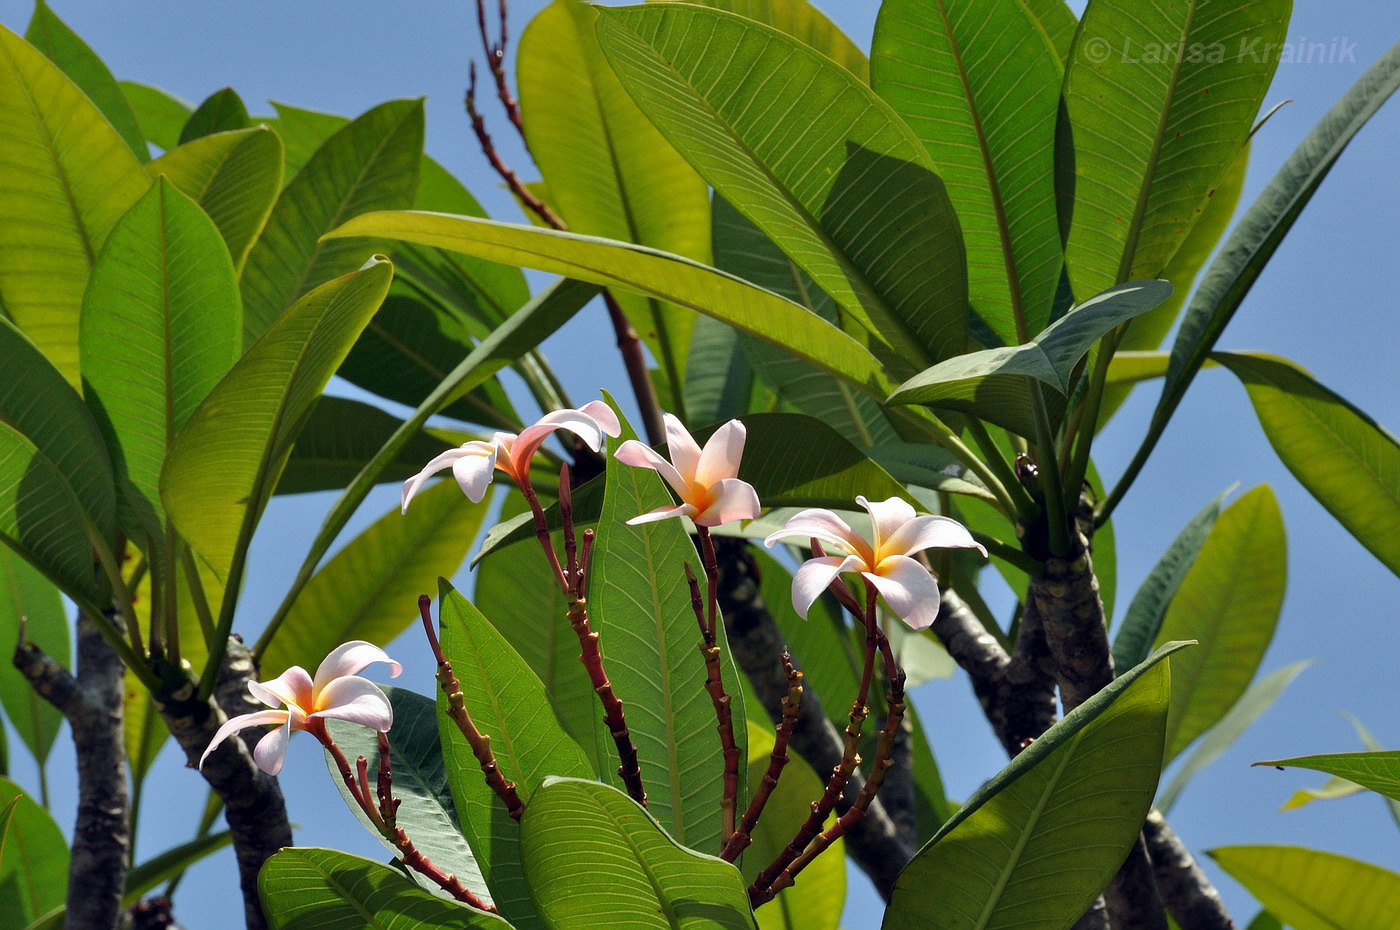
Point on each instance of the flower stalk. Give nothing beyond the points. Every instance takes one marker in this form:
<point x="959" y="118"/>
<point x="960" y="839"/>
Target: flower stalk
<point x="777" y="760"/>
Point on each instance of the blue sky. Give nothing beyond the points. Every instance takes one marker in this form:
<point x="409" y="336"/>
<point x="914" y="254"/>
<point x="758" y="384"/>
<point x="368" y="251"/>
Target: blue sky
<point x="1327" y="301"/>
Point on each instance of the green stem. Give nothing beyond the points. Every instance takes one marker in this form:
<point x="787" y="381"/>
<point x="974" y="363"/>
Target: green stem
<point x="1050" y="482"/>
<point x="1082" y="435"/>
<point x="1020" y="507"/>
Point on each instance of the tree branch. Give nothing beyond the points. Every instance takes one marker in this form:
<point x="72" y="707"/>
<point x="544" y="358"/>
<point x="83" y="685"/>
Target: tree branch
<point x="874" y="843"/>
<point x="1189" y="896"/>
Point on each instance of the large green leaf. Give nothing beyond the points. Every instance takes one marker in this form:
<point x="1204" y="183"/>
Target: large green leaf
<point x="221" y="111"/>
<point x="426" y="811"/>
<point x="1343" y="457"/>
<point x="65" y="48"/>
<point x="235" y="177"/>
<point x="68" y="177"/>
<point x="639" y="605"/>
<point x="1260" y="697"/>
<point x="1035" y="845"/>
<point x="370" y="589"/>
<point x="1337" y="786"/>
<point x="341" y="435"/>
<point x="844" y="188"/>
<point x="1058" y="21"/>
<point x="24" y="593"/>
<point x="1229" y="601"/>
<point x="508" y="703"/>
<point x="591" y="850"/>
<point x="610" y="173"/>
<point x="1154" y="133"/>
<point x="995" y="384"/>
<point x="160" y="326"/>
<point x="160" y="115"/>
<point x="645" y="271"/>
<point x="306" y="889"/>
<point x="371" y="164"/>
<point x="222" y="467"/>
<point x="794" y="460"/>
<point x="1143" y="620"/>
<point x="1252" y="243"/>
<point x="33" y="858"/>
<point x="1378" y="771"/>
<point x="1312" y="890"/>
<point x="979" y="84"/>
<point x="804" y="22"/>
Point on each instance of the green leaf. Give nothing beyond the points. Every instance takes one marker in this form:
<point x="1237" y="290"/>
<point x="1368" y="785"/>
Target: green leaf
<point x="1338" y="787"/>
<point x="426" y="811"/>
<point x="369" y="590"/>
<point x="804" y="22"/>
<point x="1143" y="620"/>
<point x="1252" y="243"/>
<point x="221" y="111"/>
<point x="68" y="177"/>
<point x="817" y="904"/>
<point x="979" y="84"/>
<point x="845" y="190"/>
<point x="25" y="593"/>
<point x="639" y="605"/>
<point x="508" y="703"/>
<point x="1344" y="459"/>
<point x="1264" y="921"/>
<point x="305" y="889"/>
<point x="371" y="164"/>
<point x="235" y="177"/>
<point x="591" y="850"/>
<point x="929" y="466"/>
<point x="1154" y="134"/>
<point x="341" y="435"/>
<point x="1260" y="697"/>
<point x="610" y="173"/>
<point x="1377" y="771"/>
<point x="643" y="270"/>
<point x="1037" y="843"/>
<point x="1058" y="21"/>
<point x="33" y="858"/>
<point x="161" y="116"/>
<point x="160" y="327"/>
<point x="794" y="460"/>
<point x="995" y="384"/>
<point x="1229" y="601"/>
<point x="1312" y="890"/>
<point x="63" y="47"/>
<point x="222" y="467"/>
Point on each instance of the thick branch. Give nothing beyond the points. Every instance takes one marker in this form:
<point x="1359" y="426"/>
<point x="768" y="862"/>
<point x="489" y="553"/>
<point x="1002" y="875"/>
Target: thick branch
<point x="1189" y="896"/>
<point x="1132" y="896"/>
<point x="253" y="804"/>
<point x="874" y="843"/>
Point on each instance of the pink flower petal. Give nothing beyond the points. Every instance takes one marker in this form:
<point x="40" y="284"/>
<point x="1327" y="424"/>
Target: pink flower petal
<point x="473" y="469"/>
<point x="887" y="516"/>
<point x="929" y="532"/>
<point x="685" y="454"/>
<point x="235" y="724"/>
<point x="720" y="458"/>
<point x="827" y="527"/>
<point x="731" y="499"/>
<point x="271" y="750"/>
<point x="815" y="576"/>
<point x="640" y="455"/>
<point x="663" y="513"/>
<point x="357" y="700"/>
<point x="909" y="590"/>
<point x="603" y="415"/>
<point x="349" y="659"/>
<point x="292" y="687"/>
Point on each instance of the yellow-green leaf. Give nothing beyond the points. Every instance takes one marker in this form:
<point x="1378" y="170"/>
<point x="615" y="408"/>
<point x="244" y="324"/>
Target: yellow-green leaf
<point x="1312" y="890"/>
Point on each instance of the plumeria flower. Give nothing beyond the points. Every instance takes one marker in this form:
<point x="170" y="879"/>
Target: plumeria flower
<point x="906" y="585"/>
<point x="704" y="479"/>
<point x="336" y="692"/>
<point x="474" y="462"/>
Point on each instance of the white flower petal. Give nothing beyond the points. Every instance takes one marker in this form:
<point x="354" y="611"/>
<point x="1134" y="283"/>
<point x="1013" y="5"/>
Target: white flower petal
<point x="350" y="659"/>
<point x="909" y="590"/>
<point x="814" y="576"/>
<point x="663" y="513"/>
<point x="929" y="532"/>
<point x="603" y="415"/>
<point x="357" y="700"/>
<point x="824" y="525"/>
<point x="685" y="454"/>
<point x="640" y="455"/>
<point x="291" y="688"/>
<point x="271" y="750"/>
<point x="414" y="484"/>
<point x="721" y="455"/>
<point x="473" y="471"/>
<point x="232" y="726"/>
<point x="887" y="516"/>
<point x="732" y="499"/>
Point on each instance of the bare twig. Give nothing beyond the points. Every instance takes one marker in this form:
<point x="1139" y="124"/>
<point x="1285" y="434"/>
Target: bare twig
<point x="777" y="759"/>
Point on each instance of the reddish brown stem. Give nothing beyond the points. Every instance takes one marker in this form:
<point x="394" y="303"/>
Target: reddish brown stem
<point x="573" y="576"/>
<point x="614" y="719"/>
<point x="711" y="563"/>
<point x="457" y="711"/>
<point x="542" y="534"/>
<point x="777" y="759"/>
<point x="359" y="790"/>
<point x="488" y="148"/>
<point x="495" y="60"/>
<point x="714" y="686"/>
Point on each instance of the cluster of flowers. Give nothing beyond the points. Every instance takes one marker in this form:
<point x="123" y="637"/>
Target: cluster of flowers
<point x="711" y="493"/>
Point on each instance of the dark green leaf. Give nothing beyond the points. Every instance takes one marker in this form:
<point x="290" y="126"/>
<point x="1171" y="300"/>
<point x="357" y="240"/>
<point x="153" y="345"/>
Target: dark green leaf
<point x="25" y="593"/>
<point x="221" y="111"/>
<point x="33" y="858"/>
<point x="160" y="115"/>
